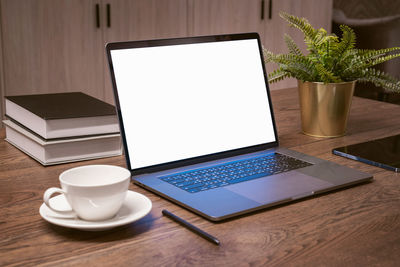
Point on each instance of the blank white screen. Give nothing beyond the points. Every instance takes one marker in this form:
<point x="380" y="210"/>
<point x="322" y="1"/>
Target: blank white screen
<point x="184" y="101"/>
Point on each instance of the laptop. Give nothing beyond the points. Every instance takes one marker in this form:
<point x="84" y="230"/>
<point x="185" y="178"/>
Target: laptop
<point x="198" y="127"/>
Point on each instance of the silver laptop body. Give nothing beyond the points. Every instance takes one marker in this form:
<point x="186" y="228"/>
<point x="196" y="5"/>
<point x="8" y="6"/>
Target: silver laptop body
<point x="186" y="105"/>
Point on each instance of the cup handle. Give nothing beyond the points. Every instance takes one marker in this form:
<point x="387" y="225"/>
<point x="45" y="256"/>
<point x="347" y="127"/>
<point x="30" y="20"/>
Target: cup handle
<point x="61" y="213"/>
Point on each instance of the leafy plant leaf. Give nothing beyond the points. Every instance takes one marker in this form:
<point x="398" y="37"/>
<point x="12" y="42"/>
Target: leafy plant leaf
<point x="330" y="59"/>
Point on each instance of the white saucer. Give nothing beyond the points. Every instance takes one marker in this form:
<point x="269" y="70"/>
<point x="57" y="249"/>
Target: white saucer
<point x="135" y="207"/>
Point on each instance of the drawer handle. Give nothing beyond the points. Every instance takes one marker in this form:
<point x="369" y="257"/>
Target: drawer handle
<point x="262" y="9"/>
<point x="270" y="9"/>
<point x="97" y="15"/>
<point x="108" y="15"/>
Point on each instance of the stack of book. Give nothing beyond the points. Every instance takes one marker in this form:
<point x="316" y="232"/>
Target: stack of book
<point x="63" y="127"/>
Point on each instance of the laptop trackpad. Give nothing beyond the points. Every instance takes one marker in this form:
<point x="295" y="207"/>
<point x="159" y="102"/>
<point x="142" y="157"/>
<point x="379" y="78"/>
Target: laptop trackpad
<point x="274" y="188"/>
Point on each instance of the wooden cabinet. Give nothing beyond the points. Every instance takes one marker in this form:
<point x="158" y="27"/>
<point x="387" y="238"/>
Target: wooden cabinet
<point x="145" y="19"/>
<point x="51" y="46"/>
<point x="224" y="16"/>
<point x="262" y="16"/>
<point x="58" y="45"/>
<point x="142" y="20"/>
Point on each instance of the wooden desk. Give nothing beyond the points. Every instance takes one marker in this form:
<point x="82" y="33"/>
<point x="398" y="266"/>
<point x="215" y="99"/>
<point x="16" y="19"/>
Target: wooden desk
<point x="359" y="226"/>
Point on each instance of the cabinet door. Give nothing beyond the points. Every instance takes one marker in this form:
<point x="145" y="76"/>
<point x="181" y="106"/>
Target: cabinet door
<point x="144" y="19"/>
<point x="51" y="46"/>
<point x="225" y="16"/>
<point x="129" y="20"/>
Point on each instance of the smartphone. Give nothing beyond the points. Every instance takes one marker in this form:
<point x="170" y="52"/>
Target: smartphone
<point x="384" y="152"/>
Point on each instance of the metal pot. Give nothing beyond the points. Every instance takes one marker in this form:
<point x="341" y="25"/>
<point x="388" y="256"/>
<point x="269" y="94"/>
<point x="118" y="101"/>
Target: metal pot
<point x="325" y="107"/>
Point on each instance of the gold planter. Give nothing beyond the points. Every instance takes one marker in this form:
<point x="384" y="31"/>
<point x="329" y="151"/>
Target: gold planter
<point x="325" y="107"/>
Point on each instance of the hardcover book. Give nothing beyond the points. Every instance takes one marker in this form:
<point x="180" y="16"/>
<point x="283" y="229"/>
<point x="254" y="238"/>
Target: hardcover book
<point x="49" y="152"/>
<point x="62" y="114"/>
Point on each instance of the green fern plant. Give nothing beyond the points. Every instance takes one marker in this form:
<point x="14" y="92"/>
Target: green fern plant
<point x="330" y="59"/>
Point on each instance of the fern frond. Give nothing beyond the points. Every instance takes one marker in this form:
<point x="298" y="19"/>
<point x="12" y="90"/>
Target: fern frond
<point x="292" y="46"/>
<point x="285" y="58"/>
<point x="371" y="52"/>
<point x="347" y="41"/>
<point x="368" y="60"/>
<point x="277" y="75"/>
<point x="296" y="64"/>
<point x="268" y="56"/>
<point x="381" y="79"/>
<point x="352" y="66"/>
<point x="382" y="59"/>
<point x="370" y="55"/>
<point x="330" y="59"/>
<point x="340" y="49"/>
<point x="322" y="37"/>
<point x="300" y="23"/>
<point x="292" y="65"/>
<point x="326" y="75"/>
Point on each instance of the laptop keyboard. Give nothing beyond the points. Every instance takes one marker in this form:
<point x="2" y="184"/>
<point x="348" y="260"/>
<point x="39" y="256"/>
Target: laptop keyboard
<point x="202" y="179"/>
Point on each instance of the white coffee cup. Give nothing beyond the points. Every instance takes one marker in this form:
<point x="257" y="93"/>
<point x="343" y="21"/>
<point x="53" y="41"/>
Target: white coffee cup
<point x="94" y="192"/>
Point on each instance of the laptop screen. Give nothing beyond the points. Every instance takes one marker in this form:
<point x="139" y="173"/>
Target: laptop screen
<point x="182" y="101"/>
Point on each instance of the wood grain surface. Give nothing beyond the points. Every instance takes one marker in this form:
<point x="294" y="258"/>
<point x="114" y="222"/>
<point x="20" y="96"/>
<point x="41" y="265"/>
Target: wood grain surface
<point x="358" y="226"/>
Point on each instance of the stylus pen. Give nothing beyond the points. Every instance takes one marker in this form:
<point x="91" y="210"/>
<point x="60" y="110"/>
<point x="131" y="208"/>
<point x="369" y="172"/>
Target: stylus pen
<point x="191" y="227"/>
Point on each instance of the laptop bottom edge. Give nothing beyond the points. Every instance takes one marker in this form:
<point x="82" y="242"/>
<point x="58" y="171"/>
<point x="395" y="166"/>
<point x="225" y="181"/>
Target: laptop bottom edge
<point x="259" y="207"/>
